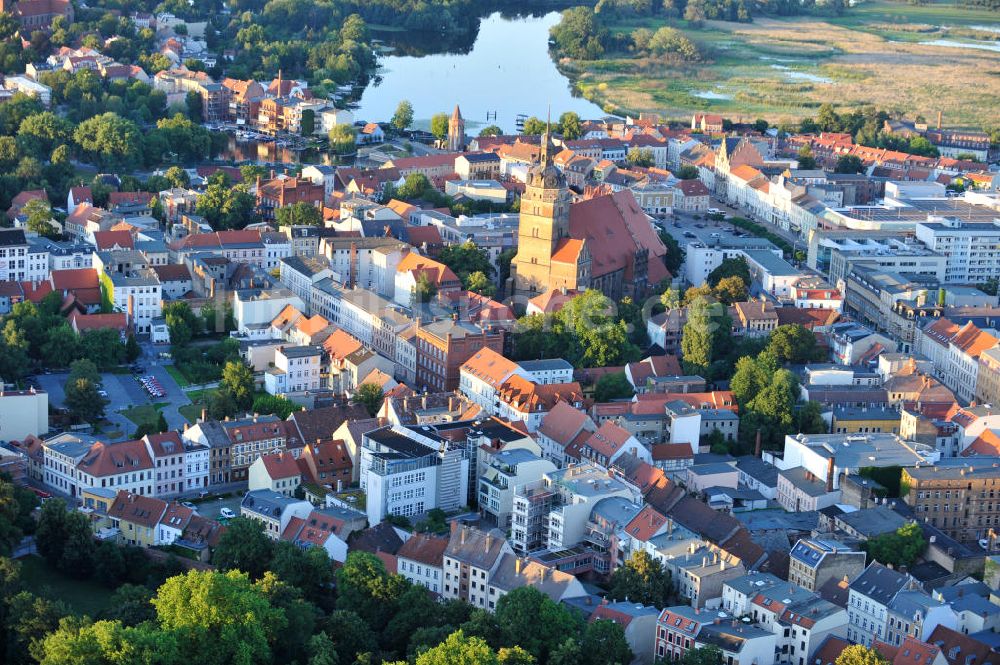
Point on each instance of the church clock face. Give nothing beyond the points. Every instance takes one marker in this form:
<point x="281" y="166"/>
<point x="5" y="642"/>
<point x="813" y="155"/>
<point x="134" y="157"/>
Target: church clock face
<point x="551" y="181"/>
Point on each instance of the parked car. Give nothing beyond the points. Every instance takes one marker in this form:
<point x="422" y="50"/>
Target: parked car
<point x="227" y="513"/>
<point x="188" y="504"/>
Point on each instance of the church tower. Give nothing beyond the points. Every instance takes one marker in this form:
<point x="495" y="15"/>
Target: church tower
<point x="544" y="223"/>
<point x="456" y="131"/>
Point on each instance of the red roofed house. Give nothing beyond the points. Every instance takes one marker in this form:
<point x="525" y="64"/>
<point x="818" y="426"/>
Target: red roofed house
<point x="277" y="472"/>
<point x="413" y="269"/>
<point x="521" y="399"/>
<point x="82" y="283"/>
<point x="609" y="442"/>
<point x="421" y="560"/>
<point x="327" y="463"/>
<point x="691" y="196"/>
<point x="325" y="528"/>
<point x="707" y="122"/>
<point x="21" y="200"/>
<point x="640" y="374"/>
<point x="81" y="322"/>
<point x="106" y="240"/>
<point x="562" y="433"/>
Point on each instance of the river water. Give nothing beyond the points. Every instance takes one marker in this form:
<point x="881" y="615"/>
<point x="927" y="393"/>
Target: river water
<point x="507" y="72"/>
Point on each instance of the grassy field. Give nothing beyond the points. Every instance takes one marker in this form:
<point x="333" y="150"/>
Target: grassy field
<point x="177" y="375"/>
<point x="878" y="53"/>
<point x="82" y="596"/>
<point x="144" y="414"/>
<point x="199" y="398"/>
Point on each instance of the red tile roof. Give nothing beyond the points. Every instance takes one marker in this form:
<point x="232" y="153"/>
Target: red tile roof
<point x="282" y="465"/>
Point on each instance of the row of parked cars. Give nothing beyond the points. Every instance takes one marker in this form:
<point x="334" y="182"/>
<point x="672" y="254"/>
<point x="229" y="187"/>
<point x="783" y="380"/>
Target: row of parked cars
<point x="152" y="386"/>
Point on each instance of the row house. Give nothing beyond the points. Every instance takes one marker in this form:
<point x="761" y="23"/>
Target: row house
<point x="280" y="192"/>
<point x="954" y="351"/>
<point x="518" y="398"/>
<point x="251" y="438"/>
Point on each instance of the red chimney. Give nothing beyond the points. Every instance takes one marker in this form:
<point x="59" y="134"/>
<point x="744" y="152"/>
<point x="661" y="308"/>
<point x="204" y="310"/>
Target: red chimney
<point x="829" y="475"/>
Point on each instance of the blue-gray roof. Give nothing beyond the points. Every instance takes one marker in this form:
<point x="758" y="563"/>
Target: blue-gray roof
<point x="267" y="503"/>
<point x="615" y="510"/>
<point x="546" y="364"/>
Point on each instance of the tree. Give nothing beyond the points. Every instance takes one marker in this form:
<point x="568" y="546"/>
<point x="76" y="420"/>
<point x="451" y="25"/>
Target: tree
<point x="570" y="126"/>
<point x="182" y="323"/>
<point x="898" y="548"/>
<point x="730" y="290"/>
<point x="534" y="621"/>
<point x="674" y="257"/>
<point x="109" y="141"/>
<point x="244" y="546"/>
<point x="299" y="214"/>
<point x="237" y="380"/>
<point x="687" y="172"/>
<point x="578" y="34"/>
<point x="131" y="604"/>
<point x="459" y="650"/>
<point x="79" y="641"/>
<point x="192" y="102"/>
<point x="39" y="218"/>
<point x="807" y="160"/>
<point x="132" y="348"/>
<point x="439" y="125"/>
<point x="423" y="291"/>
<point x="41" y="133"/>
<point x="737" y="267"/>
<point x="604" y="643"/>
<point x="640" y="157"/>
<point x="354" y="636"/>
<point x="710" y="655"/>
<point x="219" y="617"/>
<point x="491" y="130"/>
<point x="178" y="177"/>
<point x="365" y="588"/>
<point x="642" y="579"/>
<point x="849" y="164"/>
<point x="809" y="419"/>
<point x="478" y="282"/>
<point x="794" y="344"/>
<point x="857" y="654"/>
<point x="466" y="259"/>
<point x="343" y="139"/>
<point x="534" y="127"/>
<point x="84" y="401"/>
<point x="225" y="207"/>
<point x="274" y="404"/>
<point x="403" y="117"/>
<point x="613" y="386"/>
<point x="706" y="336"/>
<point x="308" y="570"/>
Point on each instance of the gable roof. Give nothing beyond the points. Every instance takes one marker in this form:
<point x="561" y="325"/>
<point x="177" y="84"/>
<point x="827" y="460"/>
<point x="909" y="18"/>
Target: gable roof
<point x="489" y="366"/>
<point x="425" y="548"/>
<point x="141" y="510"/>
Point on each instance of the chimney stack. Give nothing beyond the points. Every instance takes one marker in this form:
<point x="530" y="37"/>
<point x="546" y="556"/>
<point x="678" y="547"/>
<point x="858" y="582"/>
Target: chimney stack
<point x="939" y="120"/>
<point x="829" y="475"/>
<point x="756" y="450"/>
<point x="517" y="565"/>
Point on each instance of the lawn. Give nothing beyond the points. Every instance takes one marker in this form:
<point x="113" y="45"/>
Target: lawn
<point x="177" y="376"/>
<point x="144" y="414"/>
<point x="879" y="53"/>
<point x="82" y="596"/>
<point x="199" y="399"/>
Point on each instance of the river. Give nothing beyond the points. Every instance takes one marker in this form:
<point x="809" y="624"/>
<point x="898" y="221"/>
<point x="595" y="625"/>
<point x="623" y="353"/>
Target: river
<point x="507" y="72"/>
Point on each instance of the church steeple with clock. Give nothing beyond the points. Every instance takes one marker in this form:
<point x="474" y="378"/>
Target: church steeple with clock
<point x="544" y="226"/>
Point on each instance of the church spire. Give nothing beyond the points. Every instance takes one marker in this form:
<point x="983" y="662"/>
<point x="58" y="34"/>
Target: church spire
<point x="545" y="156"/>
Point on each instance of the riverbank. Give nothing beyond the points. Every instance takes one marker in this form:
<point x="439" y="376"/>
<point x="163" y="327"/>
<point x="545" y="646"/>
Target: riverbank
<point x="915" y="59"/>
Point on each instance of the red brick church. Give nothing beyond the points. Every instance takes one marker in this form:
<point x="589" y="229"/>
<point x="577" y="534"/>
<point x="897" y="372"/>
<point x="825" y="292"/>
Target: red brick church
<point x="37" y="14"/>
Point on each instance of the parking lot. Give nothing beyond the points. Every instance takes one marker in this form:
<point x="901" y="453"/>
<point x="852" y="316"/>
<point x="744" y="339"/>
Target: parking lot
<point x="124" y="391"/>
<point x="210" y="508"/>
